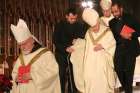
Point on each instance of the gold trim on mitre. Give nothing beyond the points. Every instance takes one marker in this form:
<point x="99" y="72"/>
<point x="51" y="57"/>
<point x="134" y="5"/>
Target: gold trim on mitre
<point x="20" y="31"/>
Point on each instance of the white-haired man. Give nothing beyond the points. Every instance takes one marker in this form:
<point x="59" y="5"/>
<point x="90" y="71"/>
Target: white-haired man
<point x="35" y="70"/>
<point x="106" y="10"/>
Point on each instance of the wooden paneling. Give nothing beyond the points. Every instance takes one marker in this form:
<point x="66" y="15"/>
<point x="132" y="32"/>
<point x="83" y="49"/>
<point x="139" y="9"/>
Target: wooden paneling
<point x="40" y="15"/>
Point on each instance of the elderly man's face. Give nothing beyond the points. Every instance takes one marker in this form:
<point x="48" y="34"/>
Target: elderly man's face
<point x="71" y="18"/>
<point x="27" y="45"/>
<point x="96" y="28"/>
<point x="106" y="13"/>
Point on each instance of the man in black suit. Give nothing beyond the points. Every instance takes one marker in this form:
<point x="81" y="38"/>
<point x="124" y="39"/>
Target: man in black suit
<point x="127" y="45"/>
<point x="65" y="33"/>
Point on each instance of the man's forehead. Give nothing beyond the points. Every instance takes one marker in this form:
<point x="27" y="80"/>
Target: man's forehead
<point x="71" y="14"/>
<point x="26" y="41"/>
<point x="115" y="5"/>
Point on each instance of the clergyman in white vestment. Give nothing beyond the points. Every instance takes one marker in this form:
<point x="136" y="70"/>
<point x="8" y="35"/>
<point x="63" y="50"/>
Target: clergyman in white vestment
<point x="35" y="70"/>
<point x="95" y="71"/>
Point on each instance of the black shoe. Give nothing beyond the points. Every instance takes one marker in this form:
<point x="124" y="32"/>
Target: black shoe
<point x="137" y="83"/>
<point x="121" y="89"/>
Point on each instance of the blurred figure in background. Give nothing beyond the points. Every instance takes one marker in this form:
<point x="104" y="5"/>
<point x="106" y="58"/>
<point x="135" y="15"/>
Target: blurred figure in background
<point x="106" y="10"/>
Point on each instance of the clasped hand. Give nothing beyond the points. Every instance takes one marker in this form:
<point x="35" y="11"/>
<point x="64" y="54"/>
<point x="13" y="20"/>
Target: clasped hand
<point x="126" y="35"/>
<point x="98" y="47"/>
<point x="25" y="76"/>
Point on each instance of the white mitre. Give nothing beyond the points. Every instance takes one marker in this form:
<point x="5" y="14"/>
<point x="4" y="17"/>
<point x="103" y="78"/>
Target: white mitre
<point x="90" y="16"/>
<point x="21" y="31"/>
